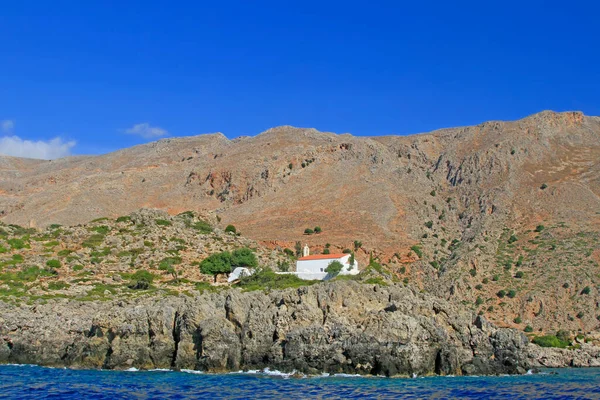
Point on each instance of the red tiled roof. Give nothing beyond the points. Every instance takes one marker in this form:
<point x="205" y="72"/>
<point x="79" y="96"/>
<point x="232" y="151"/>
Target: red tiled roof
<point x="323" y="257"/>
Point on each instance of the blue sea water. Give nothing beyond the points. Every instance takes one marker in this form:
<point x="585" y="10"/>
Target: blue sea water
<point x="32" y="382"/>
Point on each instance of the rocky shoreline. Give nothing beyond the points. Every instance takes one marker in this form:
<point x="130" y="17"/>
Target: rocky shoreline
<point x="336" y="327"/>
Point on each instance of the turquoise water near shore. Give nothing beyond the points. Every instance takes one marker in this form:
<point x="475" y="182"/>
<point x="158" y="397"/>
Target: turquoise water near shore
<point x="32" y="382"/>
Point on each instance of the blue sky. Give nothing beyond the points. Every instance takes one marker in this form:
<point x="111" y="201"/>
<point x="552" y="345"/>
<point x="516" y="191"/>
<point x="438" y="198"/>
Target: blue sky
<point x="101" y="75"/>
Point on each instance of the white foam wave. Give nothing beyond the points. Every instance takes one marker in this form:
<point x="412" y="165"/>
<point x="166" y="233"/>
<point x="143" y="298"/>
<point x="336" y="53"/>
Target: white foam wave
<point x="192" y="371"/>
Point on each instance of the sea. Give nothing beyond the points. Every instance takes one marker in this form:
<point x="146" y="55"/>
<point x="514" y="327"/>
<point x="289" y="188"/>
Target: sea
<point x="33" y="382"/>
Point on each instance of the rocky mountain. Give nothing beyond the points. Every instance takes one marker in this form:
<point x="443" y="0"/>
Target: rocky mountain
<point x="503" y="216"/>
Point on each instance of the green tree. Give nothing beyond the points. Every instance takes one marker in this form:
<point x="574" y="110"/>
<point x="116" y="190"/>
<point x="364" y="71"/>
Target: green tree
<point x="334" y="268"/>
<point x="298" y="248"/>
<point x="215" y="264"/>
<point x="230" y="228"/>
<point x="318" y="229"/>
<point x="308" y="231"/>
<point x="326" y="251"/>
<point x="243" y="258"/>
<point x="351" y="261"/>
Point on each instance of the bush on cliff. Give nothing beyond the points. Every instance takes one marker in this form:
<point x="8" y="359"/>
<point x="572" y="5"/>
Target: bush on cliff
<point x="550" y="341"/>
<point x="141" y="280"/>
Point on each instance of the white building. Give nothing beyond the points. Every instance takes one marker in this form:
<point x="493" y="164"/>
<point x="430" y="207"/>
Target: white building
<point x="313" y="266"/>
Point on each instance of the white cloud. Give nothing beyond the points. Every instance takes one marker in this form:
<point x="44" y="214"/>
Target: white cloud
<point x="146" y="131"/>
<point x="45" y="150"/>
<point x="7" y="126"/>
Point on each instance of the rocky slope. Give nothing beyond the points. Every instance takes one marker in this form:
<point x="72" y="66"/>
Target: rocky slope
<point x="342" y="327"/>
<point x="455" y="212"/>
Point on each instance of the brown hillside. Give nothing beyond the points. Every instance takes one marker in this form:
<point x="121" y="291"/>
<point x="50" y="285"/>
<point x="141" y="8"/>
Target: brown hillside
<point x="458" y="194"/>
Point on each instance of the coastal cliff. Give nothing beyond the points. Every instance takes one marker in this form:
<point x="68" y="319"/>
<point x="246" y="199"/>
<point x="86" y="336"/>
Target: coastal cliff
<point x="338" y="327"/>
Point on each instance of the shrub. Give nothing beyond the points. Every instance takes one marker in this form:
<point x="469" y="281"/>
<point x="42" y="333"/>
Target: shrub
<point x="566" y="285"/>
<point x="434" y="264"/>
<point x="162" y="222"/>
<point x="544" y="186"/>
<point x="432" y="193"/>
<point x="230" y="229"/>
<point x="586" y="290"/>
<point x="347" y="251"/>
<point x="3" y="250"/>
<point x="473" y="272"/>
<point x="318" y="229"/>
<point x="479" y="301"/>
<point x="517" y="320"/>
<point x="519" y="274"/>
<point x="326" y="251"/>
<point x="501" y="293"/>
<point x="289" y="252"/>
<point x="550" y="341"/>
<point x="485" y="281"/>
<point x="308" y="231"/>
<point x="125" y="218"/>
<point x="141" y="280"/>
<point x="203" y="227"/>
<point x="479" y="286"/>
<point x="512" y="239"/>
<point x="539" y="228"/>
<point x="528" y="329"/>
<point x="103" y="230"/>
<point x="357" y="245"/>
<point x="580" y="314"/>
<point x="511" y="293"/>
<point x="429" y="224"/>
<point x="16" y="244"/>
<point x="417" y="250"/>
<point x="53" y="264"/>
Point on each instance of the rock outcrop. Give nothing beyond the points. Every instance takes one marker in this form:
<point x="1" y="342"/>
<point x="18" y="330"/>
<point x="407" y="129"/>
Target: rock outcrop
<point x="338" y="327"/>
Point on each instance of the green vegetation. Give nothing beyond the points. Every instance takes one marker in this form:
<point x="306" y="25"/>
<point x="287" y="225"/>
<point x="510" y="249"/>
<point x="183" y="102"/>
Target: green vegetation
<point x="230" y="229"/>
<point x="511" y="293"/>
<point x="429" y="224"/>
<point x="102" y="230"/>
<point x="539" y="228"/>
<point x="550" y="341"/>
<point x="17" y="244"/>
<point x="266" y="279"/>
<point x="308" y="231"/>
<point x="162" y="222"/>
<point x="58" y="285"/>
<point x="334" y="268"/>
<point x="519" y="274"/>
<point x="528" y="329"/>
<point x="318" y="229"/>
<point x="544" y="186"/>
<point x="125" y="218"/>
<point x="517" y="320"/>
<point x="202" y="227"/>
<point x="54" y="264"/>
<point x="417" y="250"/>
<point x="501" y="293"/>
<point x="586" y="290"/>
<point x="225" y="262"/>
<point x="93" y="241"/>
<point x="168" y="264"/>
<point x="141" y="280"/>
